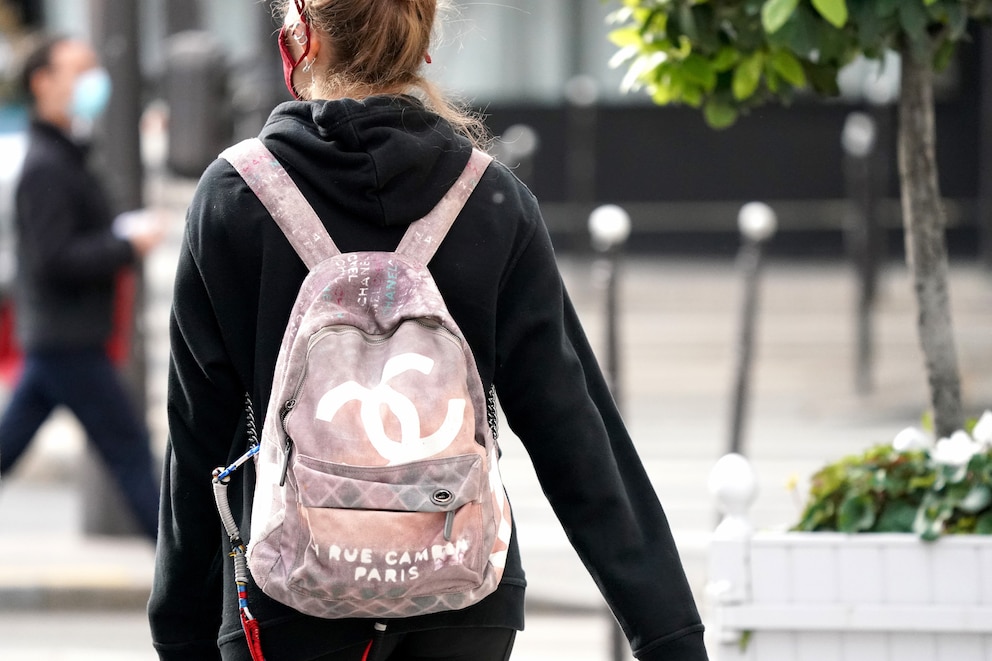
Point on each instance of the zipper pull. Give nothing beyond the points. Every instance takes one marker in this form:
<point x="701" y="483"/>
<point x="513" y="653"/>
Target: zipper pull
<point x="449" y="523"/>
<point x="286" y="451"/>
<point x="287" y="408"/>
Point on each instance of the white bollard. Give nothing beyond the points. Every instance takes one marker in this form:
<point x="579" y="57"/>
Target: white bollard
<point x="733" y="484"/>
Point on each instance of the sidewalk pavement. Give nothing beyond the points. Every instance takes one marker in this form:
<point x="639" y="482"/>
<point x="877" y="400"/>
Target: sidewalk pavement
<point x="678" y="325"/>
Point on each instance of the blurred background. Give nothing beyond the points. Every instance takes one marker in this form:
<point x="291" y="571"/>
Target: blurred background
<point x="795" y="351"/>
<point x="540" y="71"/>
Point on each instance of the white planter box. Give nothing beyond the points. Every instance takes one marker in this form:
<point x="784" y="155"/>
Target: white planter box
<point x="837" y="597"/>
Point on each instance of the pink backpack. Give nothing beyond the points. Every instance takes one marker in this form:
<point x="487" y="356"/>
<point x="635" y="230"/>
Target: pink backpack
<point x="378" y="492"/>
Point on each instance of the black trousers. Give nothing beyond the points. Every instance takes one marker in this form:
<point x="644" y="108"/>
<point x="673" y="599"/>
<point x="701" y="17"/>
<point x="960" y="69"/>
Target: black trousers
<point x="468" y="644"/>
<point x="85" y="381"/>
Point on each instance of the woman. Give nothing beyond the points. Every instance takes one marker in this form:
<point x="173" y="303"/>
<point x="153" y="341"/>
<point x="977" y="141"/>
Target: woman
<point x="373" y="147"/>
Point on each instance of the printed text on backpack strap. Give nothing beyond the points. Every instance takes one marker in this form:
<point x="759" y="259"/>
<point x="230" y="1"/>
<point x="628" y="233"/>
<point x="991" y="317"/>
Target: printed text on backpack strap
<point x="424" y="236"/>
<point x="282" y="199"/>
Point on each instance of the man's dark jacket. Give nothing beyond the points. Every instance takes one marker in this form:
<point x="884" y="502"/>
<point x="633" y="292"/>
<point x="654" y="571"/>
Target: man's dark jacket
<point x="369" y="169"/>
<point x="67" y="255"/>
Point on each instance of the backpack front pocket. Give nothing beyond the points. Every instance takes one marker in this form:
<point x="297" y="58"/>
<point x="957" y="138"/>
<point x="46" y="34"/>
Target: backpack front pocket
<point x="420" y="528"/>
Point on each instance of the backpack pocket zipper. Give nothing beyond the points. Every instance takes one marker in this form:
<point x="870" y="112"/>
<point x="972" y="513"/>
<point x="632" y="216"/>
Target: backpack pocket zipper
<point x="288" y="447"/>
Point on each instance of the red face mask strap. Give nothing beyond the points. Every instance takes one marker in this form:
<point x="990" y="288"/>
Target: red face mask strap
<point x="289" y="63"/>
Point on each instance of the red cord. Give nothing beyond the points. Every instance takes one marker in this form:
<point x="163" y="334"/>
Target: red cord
<point x="254" y="637"/>
<point x="368" y="648"/>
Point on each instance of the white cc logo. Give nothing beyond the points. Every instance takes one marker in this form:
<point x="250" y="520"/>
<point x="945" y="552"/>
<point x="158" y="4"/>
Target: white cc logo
<point x="411" y="446"/>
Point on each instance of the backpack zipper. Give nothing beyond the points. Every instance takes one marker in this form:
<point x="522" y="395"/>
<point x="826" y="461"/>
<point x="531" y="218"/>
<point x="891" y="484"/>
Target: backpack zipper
<point x="438" y="326"/>
<point x="288" y="447"/>
<point x="370" y="339"/>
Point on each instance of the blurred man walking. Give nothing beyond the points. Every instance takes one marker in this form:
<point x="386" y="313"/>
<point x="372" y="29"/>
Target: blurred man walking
<point x="69" y="254"/>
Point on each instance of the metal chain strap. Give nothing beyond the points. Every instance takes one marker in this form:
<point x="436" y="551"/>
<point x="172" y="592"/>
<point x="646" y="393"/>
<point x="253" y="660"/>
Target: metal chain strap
<point x="491" y="412"/>
<point x="250" y="422"/>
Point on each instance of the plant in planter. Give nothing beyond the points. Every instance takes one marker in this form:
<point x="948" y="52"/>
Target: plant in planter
<point x="908" y="486"/>
<point x="855" y="578"/>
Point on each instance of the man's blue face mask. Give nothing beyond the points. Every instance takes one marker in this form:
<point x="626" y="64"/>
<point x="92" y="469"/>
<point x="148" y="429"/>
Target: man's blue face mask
<point x="91" y="94"/>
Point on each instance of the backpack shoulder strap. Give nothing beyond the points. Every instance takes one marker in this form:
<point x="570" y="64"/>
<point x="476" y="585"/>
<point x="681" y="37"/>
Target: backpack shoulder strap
<point x="424" y="236"/>
<point x="280" y="196"/>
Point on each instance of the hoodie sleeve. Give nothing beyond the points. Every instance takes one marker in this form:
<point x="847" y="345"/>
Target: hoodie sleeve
<point x="204" y="406"/>
<point x="556" y="400"/>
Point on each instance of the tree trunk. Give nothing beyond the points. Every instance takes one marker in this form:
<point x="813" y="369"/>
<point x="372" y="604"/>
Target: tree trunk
<point x="926" y="249"/>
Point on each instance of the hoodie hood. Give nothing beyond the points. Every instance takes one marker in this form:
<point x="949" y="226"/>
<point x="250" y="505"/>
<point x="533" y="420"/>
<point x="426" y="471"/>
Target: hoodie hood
<point x="385" y="159"/>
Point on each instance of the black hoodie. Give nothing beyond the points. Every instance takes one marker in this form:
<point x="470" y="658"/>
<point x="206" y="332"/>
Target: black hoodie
<point x="369" y="169"/>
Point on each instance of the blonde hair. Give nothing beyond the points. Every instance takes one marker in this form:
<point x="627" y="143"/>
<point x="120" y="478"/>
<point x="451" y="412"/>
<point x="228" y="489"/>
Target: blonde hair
<point x="378" y="47"/>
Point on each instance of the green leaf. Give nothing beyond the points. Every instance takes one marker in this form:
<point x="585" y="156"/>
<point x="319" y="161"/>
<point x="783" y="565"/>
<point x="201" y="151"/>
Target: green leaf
<point x="698" y="23"/>
<point x="960" y="525"/>
<point x="833" y="44"/>
<point x="873" y="29"/>
<point x="747" y="76"/>
<point x="913" y="18"/>
<point x="884" y="8"/>
<point x="745" y="640"/>
<point x="823" y="78"/>
<point x="835" y="11"/>
<point x="926" y="526"/>
<point x="856" y="514"/>
<point x="937" y="11"/>
<point x="673" y="29"/>
<point x="897" y="516"/>
<point x="687" y="22"/>
<point x="942" y="58"/>
<point x="984" y="524"/>
<point x="692" y="95"/>
<point x="718" y="114"/>
<point x="950" y="475"/>
<point x="788" y="66"/>
<point x="819" y="514"/>
<point x="922" y="482"/>
<point x="799" y="35"/>
<point x="626" y="37"/>
<point x="725" y="59"/>
<point x="665" y="90"/>
<point x="957" y="21"/>
<point x="773" y="81"/>
<point x="775" y="14"/>
<point x="978" y="498"/>
<point x="700" y="71"/>
<point x="648" y="22"/>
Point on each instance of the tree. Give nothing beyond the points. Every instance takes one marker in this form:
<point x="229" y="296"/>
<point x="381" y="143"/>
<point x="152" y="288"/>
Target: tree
<point x="727" y="56"/>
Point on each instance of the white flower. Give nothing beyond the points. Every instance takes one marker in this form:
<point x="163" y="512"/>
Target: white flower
<point x="957" y="450"/>
<point x="910" y="439"/>
<point x="982" y="433"/>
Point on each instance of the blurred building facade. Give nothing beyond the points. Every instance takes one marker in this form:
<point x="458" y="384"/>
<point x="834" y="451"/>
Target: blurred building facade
<point x="544" y="64"/>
